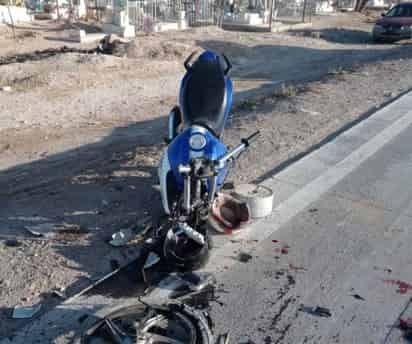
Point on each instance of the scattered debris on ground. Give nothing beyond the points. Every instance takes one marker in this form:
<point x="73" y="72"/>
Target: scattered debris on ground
<point x="42" y="55"/>
<point x="56" y="230"/>
<point x="133" y="235"/>
<point x="109" y="133"/>
<point x="317" y="311"/>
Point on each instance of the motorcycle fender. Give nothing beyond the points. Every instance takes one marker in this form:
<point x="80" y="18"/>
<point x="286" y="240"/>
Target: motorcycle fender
<point x="164" y="169"/>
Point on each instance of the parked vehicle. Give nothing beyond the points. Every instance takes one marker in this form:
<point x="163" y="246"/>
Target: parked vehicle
<point x="395" y="24"/>
<point x="196" y="161"/>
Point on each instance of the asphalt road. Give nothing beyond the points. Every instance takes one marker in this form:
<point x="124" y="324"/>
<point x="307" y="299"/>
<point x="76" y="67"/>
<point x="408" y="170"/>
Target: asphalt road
<point x="338" y="238"/>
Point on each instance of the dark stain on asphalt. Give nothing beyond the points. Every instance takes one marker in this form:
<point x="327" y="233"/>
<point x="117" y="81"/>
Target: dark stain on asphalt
<point x="296" y="268"/>
<point x="283" y="333"/>
<point x="317" y="311"/>
<point x="358" y="297"/>
<point x="244" y="257"/>
<point x="278" y="315"/>
<point x="268" y="340"/>
<point x="285" y="249"/>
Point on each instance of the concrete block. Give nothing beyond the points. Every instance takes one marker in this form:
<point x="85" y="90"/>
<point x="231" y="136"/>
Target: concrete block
<point x="289" y="27"/>
<point x="126" y="32"/>
<point x="81" y="36"/>
<point x="76" y="35"/>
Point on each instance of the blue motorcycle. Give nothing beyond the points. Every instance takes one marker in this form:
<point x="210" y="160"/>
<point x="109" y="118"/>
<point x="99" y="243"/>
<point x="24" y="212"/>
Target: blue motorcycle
<point x="196" y="162"/>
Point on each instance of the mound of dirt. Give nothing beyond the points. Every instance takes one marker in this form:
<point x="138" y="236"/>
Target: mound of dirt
<point x="155" y="48"/>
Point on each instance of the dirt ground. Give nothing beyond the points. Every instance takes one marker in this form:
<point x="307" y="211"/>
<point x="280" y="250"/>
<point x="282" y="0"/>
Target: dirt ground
<point x="81" y="134"/>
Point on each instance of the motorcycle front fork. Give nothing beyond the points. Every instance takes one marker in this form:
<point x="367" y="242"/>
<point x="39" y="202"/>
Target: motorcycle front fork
<point x="188" y="202"/>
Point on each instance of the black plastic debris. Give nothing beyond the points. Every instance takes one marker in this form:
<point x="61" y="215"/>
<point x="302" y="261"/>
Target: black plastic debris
<point x="358" y="297"/>
<point x="317" y="311"/>
<point x="244" y="257"/>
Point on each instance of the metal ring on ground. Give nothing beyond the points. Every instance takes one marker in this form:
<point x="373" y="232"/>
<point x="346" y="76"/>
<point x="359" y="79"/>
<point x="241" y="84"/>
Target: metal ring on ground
<point x="259" y="198"/>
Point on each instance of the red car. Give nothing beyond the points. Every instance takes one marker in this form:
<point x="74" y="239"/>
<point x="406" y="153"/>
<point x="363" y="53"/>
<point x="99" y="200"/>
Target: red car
<point x="395" y="24"/>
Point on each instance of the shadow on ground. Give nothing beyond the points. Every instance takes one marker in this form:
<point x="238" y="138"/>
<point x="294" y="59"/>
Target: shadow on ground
<point x="336" y="35"/>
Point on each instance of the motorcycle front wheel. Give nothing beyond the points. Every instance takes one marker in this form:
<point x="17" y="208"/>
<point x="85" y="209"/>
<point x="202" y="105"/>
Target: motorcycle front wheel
<point x="184" y="253"/>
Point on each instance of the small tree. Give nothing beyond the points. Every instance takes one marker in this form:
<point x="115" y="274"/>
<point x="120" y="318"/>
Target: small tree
<point x="360" y="5"/>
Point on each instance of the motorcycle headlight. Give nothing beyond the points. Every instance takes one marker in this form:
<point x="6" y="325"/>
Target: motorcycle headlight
<point x="197" y="141"/>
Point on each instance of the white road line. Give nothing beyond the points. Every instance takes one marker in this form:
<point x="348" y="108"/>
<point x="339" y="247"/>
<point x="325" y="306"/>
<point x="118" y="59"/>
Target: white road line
<point x="284" y="212"/>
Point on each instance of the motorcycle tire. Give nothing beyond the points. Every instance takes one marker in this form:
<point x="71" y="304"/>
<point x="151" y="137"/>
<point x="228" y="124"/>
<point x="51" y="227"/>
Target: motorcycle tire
<point x="160" y="320"/>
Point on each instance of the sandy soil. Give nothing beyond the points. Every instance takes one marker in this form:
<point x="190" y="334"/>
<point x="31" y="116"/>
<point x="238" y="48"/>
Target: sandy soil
<point x="81" y="134"/>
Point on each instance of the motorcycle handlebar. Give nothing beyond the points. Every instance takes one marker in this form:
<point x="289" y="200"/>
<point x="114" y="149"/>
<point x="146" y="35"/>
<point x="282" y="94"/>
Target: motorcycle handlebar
<point x="228" y="65"/>
<point x="251" y="138"/>
<point x="188" y="64"/>
<point x="245" y="143"/>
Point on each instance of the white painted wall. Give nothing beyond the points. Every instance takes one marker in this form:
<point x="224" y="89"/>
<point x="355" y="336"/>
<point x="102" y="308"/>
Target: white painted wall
<point x="324" y="6"/>
<point x="377" y="3"/>
<point x="19" y="14"/>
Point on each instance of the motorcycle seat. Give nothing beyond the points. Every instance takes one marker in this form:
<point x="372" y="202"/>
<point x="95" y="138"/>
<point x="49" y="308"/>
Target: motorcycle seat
<point x="205" y="96"/>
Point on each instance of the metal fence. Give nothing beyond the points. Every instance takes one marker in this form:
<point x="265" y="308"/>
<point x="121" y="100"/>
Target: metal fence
<point x="293" y="10"/>
<point x="200" y="12"/>
<point x="146" y="14"/>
